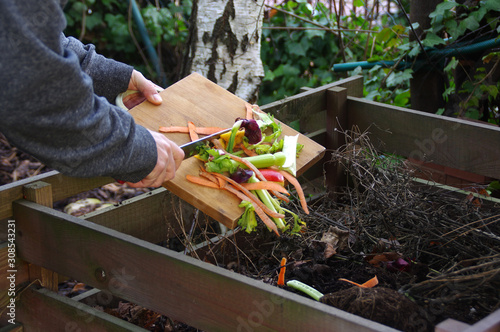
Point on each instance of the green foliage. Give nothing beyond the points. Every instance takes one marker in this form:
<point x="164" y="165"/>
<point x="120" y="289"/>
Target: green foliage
<point x="453" y="25"/>
<point x="109" y="25"/>
<point x="302" y="55"/>
<point x="304" y="58"/>
<point x="296" y="58"/>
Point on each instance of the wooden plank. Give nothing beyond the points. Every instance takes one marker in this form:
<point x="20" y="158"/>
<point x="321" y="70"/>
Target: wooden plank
<point x="461" y="144"/>
<point x="336" y="123"/>
<point x="20" y="271"/>
<point x="197" y="99"/>
<point x="62" y="187"/>
<point x="303" y="105"/>
<point x="456" y="191"/>
<point x="150" y="217"/>
<point x="42" y="310"/>
<point x="21" y="268"/>
<point x="491" y="323"/>
<point x="41" y="193"/>
<point x="451" y="325"/>
<point x="181" y="287"/>
<point x="96" y="297"/>
<point x="12" y="328"/>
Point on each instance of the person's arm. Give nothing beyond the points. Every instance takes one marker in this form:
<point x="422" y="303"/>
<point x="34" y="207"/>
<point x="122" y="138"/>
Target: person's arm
<point x="48" y="107"/>
<point x="109" y="77"/>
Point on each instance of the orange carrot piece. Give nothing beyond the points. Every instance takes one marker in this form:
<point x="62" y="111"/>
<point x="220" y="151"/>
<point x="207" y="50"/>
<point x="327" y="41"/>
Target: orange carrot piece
<point x="281" y="275"/>
<point x="202" y="181"/>
<point x="192" y="131"/>
<point x="258" y="174"/>
<point x="251" y="196"/>
<point x="290" y="178"/>
<point x="249" y="111"/>
<point x="211" y="177"/>
<point x="248" y="152"/>
<point x="369" y="284"/>
<point x="267" y="185"/>
<point x="174" y="129"/>
<point x="185" y="130"/>
<point x="262" y="215"/>
<point x="280" y="196"/>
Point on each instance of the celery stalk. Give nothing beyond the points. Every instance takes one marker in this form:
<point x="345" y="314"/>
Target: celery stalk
<point x="270" y="202"/>
<point x="234" y="130"/>
<point x="223" y="164"/>
<point x="314" y="293"/>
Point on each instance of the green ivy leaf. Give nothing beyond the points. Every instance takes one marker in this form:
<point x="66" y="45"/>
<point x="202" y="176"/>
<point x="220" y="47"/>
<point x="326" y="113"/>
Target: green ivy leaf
<point x="451" y="65"/>
<point x="443" y="7"/>
<point x="384" y="35"/>
<point x="491" y="90"/>
<point x="397" y="78"/>
<point x="492" y="5"/>
<point x="296" y="48"/>
<point x="431" y="39"/>
<point x="93" y="20"/>
<point x="440" y="111"/>
<point x="472" y="113"/>
<point x="402" y="99"/>
<point x="470" y="23"/>
<point x="269" y="76"/>
<point x="414" y="51"/>
<point x="479" y="14"/>
<point x="451" y="27"/>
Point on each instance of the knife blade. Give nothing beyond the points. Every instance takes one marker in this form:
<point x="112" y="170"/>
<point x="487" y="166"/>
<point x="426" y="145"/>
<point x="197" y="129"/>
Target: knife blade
<point x="190" y="148"/>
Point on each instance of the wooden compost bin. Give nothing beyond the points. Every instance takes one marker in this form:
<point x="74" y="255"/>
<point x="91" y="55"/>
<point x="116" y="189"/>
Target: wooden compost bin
<point x="114" y="249"/>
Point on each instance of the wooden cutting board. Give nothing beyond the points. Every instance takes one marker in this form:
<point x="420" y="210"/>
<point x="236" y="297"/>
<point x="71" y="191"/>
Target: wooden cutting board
<point x="206" y="104"/>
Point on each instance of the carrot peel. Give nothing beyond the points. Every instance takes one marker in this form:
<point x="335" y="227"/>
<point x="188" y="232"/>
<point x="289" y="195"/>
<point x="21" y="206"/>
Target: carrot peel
<point x="201" y="181"/>
<point x="281" y="275"/>
<point x="369" y="284"/>
<point x="192" y="131"/>
<point x="185" y="130"/>
<point x="290" y="178"/>
<point x="267" y="185"/>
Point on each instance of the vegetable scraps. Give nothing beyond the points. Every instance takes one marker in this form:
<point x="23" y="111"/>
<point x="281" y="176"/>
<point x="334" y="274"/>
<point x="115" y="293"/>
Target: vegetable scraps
<point x="254" y="165"/>
<point x="281" y="275"/>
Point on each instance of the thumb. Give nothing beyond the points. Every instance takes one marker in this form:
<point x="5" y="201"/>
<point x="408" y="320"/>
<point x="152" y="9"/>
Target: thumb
<point x="151" y="93"/>
<point x="146" y="87"/>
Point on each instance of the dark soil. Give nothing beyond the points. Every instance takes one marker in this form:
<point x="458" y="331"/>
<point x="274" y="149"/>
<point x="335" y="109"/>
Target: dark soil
<point x="436" y="254"/>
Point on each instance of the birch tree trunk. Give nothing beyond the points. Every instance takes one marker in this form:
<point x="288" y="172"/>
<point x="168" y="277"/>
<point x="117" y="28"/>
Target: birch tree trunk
<point x="224" y="45"/>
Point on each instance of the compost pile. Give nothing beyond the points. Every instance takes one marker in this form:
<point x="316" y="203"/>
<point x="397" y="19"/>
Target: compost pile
<point x="436" y="253"/>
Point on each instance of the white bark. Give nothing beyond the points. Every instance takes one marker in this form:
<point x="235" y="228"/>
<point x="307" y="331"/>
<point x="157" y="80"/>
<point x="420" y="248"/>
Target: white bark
<point x="226" y="45"/>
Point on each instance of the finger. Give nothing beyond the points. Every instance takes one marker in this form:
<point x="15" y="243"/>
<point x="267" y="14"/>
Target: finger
<point x="151" y="93"/>
<point x="178" y="155"/>
<point x="139" y="184"/>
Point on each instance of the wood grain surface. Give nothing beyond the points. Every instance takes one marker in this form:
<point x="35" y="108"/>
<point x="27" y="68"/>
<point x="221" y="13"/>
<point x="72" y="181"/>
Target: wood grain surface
<point x="203" y="102"/>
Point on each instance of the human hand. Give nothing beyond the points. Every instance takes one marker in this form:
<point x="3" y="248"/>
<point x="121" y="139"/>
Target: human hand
<point x="170" y="156"/>
<point x="146" y="87"/>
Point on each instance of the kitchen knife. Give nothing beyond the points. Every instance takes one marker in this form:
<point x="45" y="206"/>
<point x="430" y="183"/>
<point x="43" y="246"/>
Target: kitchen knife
<point x="190" y="148"/>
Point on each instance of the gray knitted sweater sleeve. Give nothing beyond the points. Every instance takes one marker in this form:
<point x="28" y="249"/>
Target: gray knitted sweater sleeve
<point x="54" y="103"/>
